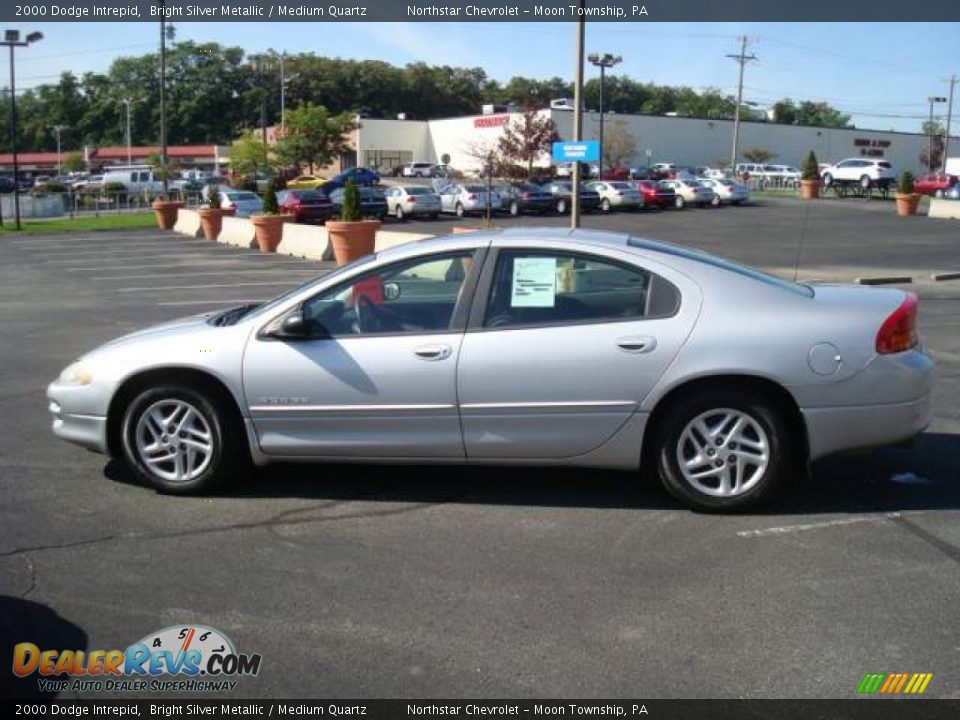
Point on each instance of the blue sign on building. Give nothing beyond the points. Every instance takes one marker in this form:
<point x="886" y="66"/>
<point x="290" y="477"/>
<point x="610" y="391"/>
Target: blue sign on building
<point x="582" y="151"/>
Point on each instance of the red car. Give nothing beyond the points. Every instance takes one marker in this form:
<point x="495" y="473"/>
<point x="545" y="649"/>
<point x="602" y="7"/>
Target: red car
<point x="305" y="205"/>
<point x="655" y="194"/>
<point x="616" y="173"/>
<point x="935" y="184"/>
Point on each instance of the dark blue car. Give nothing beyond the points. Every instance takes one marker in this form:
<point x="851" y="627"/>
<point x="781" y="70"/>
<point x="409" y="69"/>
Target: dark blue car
<point x="372" y="202"/>
<point x="361" y="176"/>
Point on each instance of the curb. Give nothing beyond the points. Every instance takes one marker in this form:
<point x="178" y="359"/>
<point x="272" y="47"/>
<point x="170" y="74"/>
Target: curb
<point x="888" y="280"/>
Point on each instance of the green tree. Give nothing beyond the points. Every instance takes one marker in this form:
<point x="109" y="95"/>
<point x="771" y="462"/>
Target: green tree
<point x="249" y="156"/>
<point x="315" y="137"/>
<point x="811" y="168"/>
<point x="74" y="162"/>
<point x="350" y="209"/>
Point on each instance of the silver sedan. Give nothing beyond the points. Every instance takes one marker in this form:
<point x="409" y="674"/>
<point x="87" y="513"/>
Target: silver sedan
<point x="518" y="347"/>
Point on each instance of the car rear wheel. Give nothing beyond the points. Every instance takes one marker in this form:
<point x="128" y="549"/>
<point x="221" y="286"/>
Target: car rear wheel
<point x="679" y="202"/>
<point x="398" y="212"/>
<point x="514" y="208"/>
<point x="605" y="205"/>
<point x="723" y="450"/>
<point x="561" y="206"/>
<point x="715" y="201"/>
<point x="459" y="210"/>
<point x="181" y="441"/>
<point x="865" y="181"/>
<point x="827" y="179"/>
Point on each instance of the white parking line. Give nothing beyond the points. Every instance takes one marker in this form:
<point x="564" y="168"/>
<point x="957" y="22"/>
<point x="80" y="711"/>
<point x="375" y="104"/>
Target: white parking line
<point x="786" y="529"/>
<point x="203" y="273"/>
<point x="181" y="266"/>
<point x="94" y="263"/>
<point x="123" y="252"/>
<point x="276" y="283"/>
<point x="98" y="237"/>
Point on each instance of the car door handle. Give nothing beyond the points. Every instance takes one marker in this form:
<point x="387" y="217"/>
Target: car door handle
<point x="637" y="343"/>
<point x="432" y="352"/>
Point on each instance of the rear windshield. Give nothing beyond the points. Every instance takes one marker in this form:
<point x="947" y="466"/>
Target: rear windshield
<point x="418" y="191"/>
<point x="242" y="196"/>
<point x="312" y="195"/>
<point x="475" y="188"/>
<point x="620" y="186"/>
<point x="720" y="262"/>
<point x="884" y="165"/>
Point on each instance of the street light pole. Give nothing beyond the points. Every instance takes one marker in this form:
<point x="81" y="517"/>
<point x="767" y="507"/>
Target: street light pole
<point x="603" y="62"/>
<point x="57" y="129"/>
<point x="742" y="58"/>
<point x="577" y="116"/>
<point x="129" y="104"/>
<point x="163" y="98"/>
<point x="946" y="134"/>
<point x="12" y="40"/>
<point x="931" y="99"/>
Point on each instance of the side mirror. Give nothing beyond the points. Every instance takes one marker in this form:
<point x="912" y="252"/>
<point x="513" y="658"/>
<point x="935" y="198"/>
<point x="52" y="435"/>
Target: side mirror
<point x="391" y="291"/>
<point x="292" y="327"/>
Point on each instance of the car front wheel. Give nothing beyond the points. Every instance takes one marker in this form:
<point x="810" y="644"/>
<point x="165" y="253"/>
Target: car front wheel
<point x="828" y="179"/>
<point x="723" y="450"/>
<point x="605" y="205"/>
<point x="180" y="441"/>
<point x="679" y="202"/>
<point x="561" y="207"/>
<point x="398" y="213"/>
<point x="514" y="208"/>
<point x="459" y="210"/>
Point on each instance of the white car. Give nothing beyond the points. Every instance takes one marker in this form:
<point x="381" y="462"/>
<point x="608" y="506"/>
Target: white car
<point x="616" y="194"/>
<point x="785" y="174"/>
<point x="727" y="191"/>
<point x="418" y="169"/>
<point x="664" y="167"/>
<point x="243" y="202"/>
<point x="690" y="192"/>
<point x="862" y="171"/>
<point x="463" y="199"/>
<point x="411" y="200"/>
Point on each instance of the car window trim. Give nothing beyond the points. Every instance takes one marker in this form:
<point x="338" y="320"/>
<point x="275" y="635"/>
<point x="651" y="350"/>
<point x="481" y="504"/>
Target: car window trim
<point x="458" y="319"/>
<point x="481" y="297"/>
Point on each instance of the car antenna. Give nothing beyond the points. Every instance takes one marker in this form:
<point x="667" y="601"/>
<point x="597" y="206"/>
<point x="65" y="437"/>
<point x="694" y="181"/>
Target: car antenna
<point x="803" y="235"/>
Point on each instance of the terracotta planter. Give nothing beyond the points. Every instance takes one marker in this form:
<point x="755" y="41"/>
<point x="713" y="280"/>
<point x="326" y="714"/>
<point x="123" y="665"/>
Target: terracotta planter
<point x="809" y="189"/>
<point x="352" y="240"/>
<point x="211" y="220"/>
<point x="269" y="229"/>
<point x="166" y="213"/>
<point x="907" y="203"/>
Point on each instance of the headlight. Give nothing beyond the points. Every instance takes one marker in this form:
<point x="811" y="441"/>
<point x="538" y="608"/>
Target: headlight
<point x="76" y="374"/>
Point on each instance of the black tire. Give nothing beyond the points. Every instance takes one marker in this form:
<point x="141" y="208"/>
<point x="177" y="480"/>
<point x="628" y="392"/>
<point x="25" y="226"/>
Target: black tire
<point x="229" y="454"/>
<point x="605" y="205"/>
<point x="679" y="202"/>
<point x="715" y="201"/>
<point x="781" y="464"/>
<point x="398" y="213"/>
<point x="865" y="181"/>
<point x="561" y="206"/>
<point x="827" y="179"/>
<point x="459" y="210"/>
<point x="514" y="208"/>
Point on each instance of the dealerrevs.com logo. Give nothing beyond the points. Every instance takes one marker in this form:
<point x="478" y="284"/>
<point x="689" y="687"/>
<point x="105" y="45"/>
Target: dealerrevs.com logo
<point x="180" y="658"/>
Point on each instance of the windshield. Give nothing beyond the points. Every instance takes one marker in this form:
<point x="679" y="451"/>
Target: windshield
<point x="418" y="191"/>
<point x="308" y="195"/>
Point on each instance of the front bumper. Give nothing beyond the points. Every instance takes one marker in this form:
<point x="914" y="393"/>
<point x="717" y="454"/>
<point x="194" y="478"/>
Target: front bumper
<point x="834" y="429"/>
<point x="89" y="431"/>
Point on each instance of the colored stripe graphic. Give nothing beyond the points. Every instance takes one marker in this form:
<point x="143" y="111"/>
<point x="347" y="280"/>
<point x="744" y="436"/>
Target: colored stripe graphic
<point x="895" y="683"/>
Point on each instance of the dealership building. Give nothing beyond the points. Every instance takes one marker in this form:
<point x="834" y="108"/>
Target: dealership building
<point x="385" y="143"/>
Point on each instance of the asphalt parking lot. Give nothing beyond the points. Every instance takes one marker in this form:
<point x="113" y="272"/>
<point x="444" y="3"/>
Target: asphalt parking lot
<point x="378" y="581"/>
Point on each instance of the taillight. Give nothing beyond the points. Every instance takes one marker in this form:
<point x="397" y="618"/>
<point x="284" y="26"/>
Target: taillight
<point x="899" y="331"/>
<point x="619" y="193"/>
<point x="411" y="199"/>
<point x="472" y="196"/>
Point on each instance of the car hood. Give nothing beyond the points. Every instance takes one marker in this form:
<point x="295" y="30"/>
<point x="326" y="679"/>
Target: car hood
<point x="164" y="331"/>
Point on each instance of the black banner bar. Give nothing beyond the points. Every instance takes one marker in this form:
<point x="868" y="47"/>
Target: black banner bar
<point x="865" y="709"/>
<point x="864" y="11"/>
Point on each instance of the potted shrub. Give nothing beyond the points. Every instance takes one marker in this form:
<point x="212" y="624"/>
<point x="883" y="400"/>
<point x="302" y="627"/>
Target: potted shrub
<point x="352" y="237"/>
<point x="211" y="217"/>
<point x="269" y="223"/>
<point x="810" y="178"/>
<point x="166" y="211"/>
<point x="907" y="199"/>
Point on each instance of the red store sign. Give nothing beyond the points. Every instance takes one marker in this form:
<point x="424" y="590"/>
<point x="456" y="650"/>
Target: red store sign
<point x="491" y="121"/>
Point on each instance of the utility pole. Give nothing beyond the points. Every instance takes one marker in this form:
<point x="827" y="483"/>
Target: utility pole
<point x="946" y="135"/>
<point x="128" y="101"/>
<point x="57" y="129"/>
<point x="283" y="98"/>
<point x="933" y="99"/>
<point x="163" y="99"/>
<point x="742" y="58"/>
<point x="578" y="115"/>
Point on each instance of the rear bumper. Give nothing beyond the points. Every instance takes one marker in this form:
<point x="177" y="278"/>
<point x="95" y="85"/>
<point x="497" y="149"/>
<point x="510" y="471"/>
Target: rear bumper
<point x="834" y="429"/>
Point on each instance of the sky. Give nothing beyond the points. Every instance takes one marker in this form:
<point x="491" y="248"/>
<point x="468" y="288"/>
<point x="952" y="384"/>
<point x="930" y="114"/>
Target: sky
<point x="880" y="73"/>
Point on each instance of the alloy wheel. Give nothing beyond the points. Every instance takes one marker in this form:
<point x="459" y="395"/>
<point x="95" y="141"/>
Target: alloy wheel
<point x="723" y="452"/>
<point x="174" y="440"/>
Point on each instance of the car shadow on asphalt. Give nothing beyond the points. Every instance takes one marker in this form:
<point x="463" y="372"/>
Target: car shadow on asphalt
<point x="28" y="621"/>
<point x="926" y="477"/>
